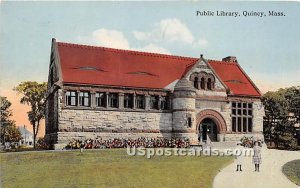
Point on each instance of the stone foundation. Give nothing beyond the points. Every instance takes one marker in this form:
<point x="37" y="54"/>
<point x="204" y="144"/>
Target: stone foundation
<point x="229" y="137"/>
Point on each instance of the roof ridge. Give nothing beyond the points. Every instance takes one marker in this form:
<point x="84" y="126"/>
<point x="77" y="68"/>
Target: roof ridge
<point x="221" y="62"/>
<point x="134" y="52"/>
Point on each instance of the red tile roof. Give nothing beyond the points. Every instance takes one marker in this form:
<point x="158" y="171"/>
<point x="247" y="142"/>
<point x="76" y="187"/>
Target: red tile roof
<point x="234" y="78"/>
<point x="106" y="66"/>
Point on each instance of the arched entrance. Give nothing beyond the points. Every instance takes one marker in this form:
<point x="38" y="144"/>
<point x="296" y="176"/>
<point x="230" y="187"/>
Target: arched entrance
<point x="210" y="126"/>
<point x="208" y="130"/>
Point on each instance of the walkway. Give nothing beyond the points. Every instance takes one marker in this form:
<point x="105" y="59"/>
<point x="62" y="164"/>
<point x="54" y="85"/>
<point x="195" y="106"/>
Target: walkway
<point x="270" y="174"/>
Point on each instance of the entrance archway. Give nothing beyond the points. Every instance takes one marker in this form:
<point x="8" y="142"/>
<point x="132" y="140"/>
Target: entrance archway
<point x="208" y="130"/>
<point x="211" y="122"/>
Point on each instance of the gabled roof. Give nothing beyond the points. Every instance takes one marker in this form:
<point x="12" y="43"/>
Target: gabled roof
<point x="107" y="66"/>
<point x="81" y="64"/>
<point x="234" y="78"/>
<point x="24" y="131"/>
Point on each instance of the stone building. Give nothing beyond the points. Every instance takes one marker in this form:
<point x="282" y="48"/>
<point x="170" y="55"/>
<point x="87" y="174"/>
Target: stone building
<point x="97" y="92"/>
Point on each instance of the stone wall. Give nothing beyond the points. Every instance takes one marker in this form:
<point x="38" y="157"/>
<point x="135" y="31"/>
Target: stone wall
<point x="85" y="124"/>
<point x="74" y="123"/>
<point x="113" y="120"/>
<point x="258" y="114"/>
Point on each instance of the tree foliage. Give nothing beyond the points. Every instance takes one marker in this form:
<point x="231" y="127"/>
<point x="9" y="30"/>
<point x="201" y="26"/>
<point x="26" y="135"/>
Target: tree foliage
<point x="282" y="113"/>
<point x="8" y="130"/>
<point x="34" y="95"/>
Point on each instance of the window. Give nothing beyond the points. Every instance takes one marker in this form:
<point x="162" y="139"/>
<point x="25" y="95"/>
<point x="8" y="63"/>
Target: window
<point x="196" y="83"/>
<point x="239" y="124"/>
<point x="71" y="98"/>
<point x="128" y="100"/>
<point x="140" y="101"/>
<point x="241" y="117"/>
<point x="209" y="84"/>
<point x="233" y="124"/>
<point x="113" y="100"/>
<point x="189" y="121"/>
<point x="164" y="103"/>
<point x="154" y="102"/>
<point x="202" y="83"/>
<point x="100" y="99"/>
<point x="249" y="124"/>
<point x="84" y="99"/>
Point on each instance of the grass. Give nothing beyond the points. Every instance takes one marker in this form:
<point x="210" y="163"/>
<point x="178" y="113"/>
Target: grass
<point x="107" y="168"/>
<point x="292" y="171"/>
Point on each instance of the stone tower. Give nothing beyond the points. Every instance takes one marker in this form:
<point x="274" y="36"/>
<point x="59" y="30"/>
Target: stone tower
<point x="184" y="124"/>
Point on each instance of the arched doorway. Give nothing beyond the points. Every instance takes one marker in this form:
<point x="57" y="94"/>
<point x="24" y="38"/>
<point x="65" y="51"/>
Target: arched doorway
<point x="210" y="124"/>
<point x="208" y="130"/>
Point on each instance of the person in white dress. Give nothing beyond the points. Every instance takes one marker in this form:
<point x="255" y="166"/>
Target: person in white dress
<point x="239" y="156"/>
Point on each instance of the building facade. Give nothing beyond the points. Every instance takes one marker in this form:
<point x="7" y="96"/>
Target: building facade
<point x="27" y="137"/>
<point x="97" y="92"/>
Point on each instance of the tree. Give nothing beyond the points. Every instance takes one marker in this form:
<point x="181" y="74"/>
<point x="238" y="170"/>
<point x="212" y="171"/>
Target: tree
<point x="8" y="130"/>
<point x="292" y="97"/>
<point x="282" y="113"/>
<point x="34" y="95"/>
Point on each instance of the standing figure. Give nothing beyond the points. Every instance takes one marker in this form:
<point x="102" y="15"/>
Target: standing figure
<point x="257" y="155"/>
<point x="82" y="145"/>
<point x="239" y="158"/>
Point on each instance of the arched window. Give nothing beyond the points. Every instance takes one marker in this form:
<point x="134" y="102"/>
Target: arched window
<point x="196" y="83"/>
<point x="202" y="83"/>
<point x="209" y="84"/>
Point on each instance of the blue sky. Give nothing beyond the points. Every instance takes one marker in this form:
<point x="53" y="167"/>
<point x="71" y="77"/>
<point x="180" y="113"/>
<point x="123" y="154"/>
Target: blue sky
<point x="267" y="48"/>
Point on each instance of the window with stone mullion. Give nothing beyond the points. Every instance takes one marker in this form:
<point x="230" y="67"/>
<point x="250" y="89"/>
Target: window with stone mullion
<point x="113" y="100"/>
<point x="154" y="102"/>
<point x="71" y="98"/>
<point x="100" y="99"/>
<point x="241" y="117"/>
<point x="128" y="100"/>
<point x="84" y="99"/>
<point x="164" y="103"/>
<point x="140" y="101"/>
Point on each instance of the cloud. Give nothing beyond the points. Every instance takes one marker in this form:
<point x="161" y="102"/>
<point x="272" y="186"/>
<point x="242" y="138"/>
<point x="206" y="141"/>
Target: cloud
<point x="202" y="42"/>
<point x="106" y="38"/>
<point x="116" y="39"/>
<point x="169" y="30"/>
<point x="153" y="48"/>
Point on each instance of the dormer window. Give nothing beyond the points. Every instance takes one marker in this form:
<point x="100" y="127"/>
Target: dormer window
<point x="196" y="84"/>
<point x="209" y="84"/>
<point x="202" y="83"/>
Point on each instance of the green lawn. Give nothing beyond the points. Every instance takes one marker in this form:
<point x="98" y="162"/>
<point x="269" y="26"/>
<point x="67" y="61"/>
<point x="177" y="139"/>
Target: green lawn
<point x="292" y="171"/>
<point x="106" y="168"/>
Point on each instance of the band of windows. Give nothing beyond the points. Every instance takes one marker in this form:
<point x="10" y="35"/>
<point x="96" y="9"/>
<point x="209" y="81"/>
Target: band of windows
<point x="112" y="100"/>
<point x="242" y="116"/>
<point x="203" y="81"/>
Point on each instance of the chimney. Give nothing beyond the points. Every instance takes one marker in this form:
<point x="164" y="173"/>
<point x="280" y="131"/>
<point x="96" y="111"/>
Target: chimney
<point x="231" y="59"/>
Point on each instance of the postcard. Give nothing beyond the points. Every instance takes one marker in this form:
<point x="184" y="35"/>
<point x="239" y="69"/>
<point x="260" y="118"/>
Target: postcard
<point x="150" y="94"/>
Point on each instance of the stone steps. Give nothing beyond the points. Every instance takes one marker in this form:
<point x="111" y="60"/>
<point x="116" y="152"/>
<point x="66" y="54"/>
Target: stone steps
<point x="221" y="145"/>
